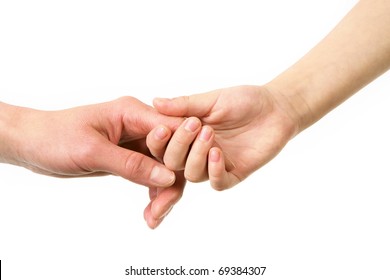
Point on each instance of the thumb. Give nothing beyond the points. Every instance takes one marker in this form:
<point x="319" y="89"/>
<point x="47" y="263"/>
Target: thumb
<point x="132" y="166"/>
<point x="197" y="105"/>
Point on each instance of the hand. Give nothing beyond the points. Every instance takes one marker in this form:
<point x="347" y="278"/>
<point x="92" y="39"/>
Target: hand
<point x="107" y="138"/>
<point x="249" y="124"/>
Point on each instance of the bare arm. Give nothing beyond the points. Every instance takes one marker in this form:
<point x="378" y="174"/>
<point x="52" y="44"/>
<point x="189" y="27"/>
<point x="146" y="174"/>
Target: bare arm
<point x="253" y="123"/>
<point x="8" y="119"/>
<point x="355" y="53"/>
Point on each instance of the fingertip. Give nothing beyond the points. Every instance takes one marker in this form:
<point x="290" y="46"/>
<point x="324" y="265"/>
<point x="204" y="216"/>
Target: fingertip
<point x="157" y="140"/>
<point x="156" y="209"/>
<point x="159" y="103"/>
<point x="215" y="155"/>
<point x="155" y="223"/>
<point x="159" y="100"/>
<point x="151" y="222"/>
<point x="216" y="168"/>
<point x="206" y="133"/>
<point x="160" y="212"/>
<point x="162" y="177"/>
<point x="161" y="132"/>
<point x="192" y="124"/>
<point x="147" y="212"/>
<point x="163" y="204"/>
<point x="178" y="106"/>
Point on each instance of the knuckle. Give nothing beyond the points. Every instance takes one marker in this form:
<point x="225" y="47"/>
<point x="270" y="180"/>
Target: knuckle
<point x="136" y="165"/>
<point x="194" y="177"/>
<point x="181" y="139"/>
<point x="84" y="155"/>
<point x="126" y="99"/>
<point x="173" y="163"/>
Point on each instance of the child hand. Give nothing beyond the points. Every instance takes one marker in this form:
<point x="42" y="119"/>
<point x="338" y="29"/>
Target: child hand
<point x="191" y="148"/>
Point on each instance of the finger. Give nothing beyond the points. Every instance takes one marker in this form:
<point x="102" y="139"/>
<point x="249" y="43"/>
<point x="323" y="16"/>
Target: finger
<point x="197" y="105"/>
<point x="147" y="216"/>
<point x="196" y="165"/>
<point x="140" y="119"/>
<point x="130" y="165"/>
<point x="150" y="220"/>
<point x="229" y="165"/>
<point x="168" y="197"/>
<point x="220" y="179"/>
<point x="177" y="150"/>
<point x="160" y="206"/>
<point x="153" y="193"/>
<point x="157" y="141"/>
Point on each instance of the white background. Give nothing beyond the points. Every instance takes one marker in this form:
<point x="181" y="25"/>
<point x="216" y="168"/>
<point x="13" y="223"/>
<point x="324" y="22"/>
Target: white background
<point x="318" y="211"/>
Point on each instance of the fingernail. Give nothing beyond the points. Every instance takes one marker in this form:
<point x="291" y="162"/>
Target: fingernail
<point x="161" y="133"/>
<point x="162" y="176"/>
<point x="166" y="212"/>
<point x="205" y="134"/>
<point x="156" y="223"/>
<point x="192" y="124"/>
<point x="214" y="155"/>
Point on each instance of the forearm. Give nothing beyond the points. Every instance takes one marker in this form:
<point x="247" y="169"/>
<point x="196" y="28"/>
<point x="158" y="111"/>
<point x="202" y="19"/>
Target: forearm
<point x="14" y="121"/>
<point x="10" y="117"/>
<point x="356" y="52"/>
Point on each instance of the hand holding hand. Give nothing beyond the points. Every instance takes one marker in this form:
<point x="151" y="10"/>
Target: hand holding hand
<point x="243" y="128"/>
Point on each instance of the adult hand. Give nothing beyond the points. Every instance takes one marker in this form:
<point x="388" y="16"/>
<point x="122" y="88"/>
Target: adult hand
<point x="106" y="138"/>
<point x="249" y="124"/>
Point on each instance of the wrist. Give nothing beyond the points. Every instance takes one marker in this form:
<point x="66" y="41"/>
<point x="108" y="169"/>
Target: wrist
<point x="309" y="93"/>
<point x="350" y="57"/>
<point x="290" y="97"/>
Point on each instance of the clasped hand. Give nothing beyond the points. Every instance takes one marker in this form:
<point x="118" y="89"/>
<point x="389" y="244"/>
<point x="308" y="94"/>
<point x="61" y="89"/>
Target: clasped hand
<point x="227" y="135"/>
<point x="222" y="136"/>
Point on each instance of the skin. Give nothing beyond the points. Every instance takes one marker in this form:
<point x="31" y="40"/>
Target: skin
<point x="249" y="125"/>
<point x="93" y="140"/>
<point x="249" y="136"/>
<point x="239" y="129"/>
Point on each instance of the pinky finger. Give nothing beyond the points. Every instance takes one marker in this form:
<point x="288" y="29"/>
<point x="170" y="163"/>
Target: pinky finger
<point x="220" y="179"/>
